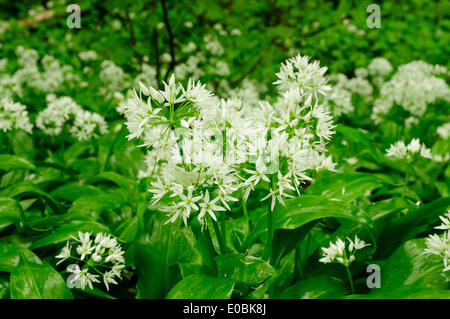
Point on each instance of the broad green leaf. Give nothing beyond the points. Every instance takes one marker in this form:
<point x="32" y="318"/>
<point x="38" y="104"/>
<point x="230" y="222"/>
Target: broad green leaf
<point x="406" y="227"/>
<point x="128" y="230"/>
<point x="202" y="287"/>
<point x="358" y="137"/>
<point x="346" y="187"/>
<point x="302" y="210"/>
<point x="243" y="269"/>
<point x="72" y="191"/>
<point x="26" y="189"/>
<point x="321" y="287"/>
<point x="157" y="254"/>
<point x="36" y="281"/>
<point x="10" y="212"/>
<point x="94" y="205"/>
<point x="406" y="292"/>
<point x="4" y="286"/>
<point x="113" y="177"/>
<point x="64" y="233"/>
<point x="10" y="256"/>
<point x="9" y="162"/>
<point x="408" y="265"/>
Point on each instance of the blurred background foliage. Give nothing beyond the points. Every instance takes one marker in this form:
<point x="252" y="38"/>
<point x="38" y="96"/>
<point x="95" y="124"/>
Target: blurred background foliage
<point x="334" y="32"/>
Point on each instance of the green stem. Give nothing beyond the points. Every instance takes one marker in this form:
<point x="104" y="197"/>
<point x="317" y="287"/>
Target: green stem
<point x="219" y="238"/>
<point x="352" y="288"/>
<point x="269" y="240"/>
<point x="244" y="206"/>
<point x="268" y="254"/>
<point x="166" y="259"/>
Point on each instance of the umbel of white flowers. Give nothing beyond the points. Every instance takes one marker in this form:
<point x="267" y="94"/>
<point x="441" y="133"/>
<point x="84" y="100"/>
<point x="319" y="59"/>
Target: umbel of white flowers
<point x="84" y="125"/>
<point x="207" y="151"/>
<point x="14" y="116"/>
<point x="440" y="244"/>
<point x="402" y="151"/>
<point x="339" y="252"/>
<point x="101" y="256"/>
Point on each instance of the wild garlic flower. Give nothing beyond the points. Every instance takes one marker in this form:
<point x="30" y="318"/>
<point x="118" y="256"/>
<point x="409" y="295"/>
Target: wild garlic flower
<point x="340" y="253"/>
<point x="82" y="124"/>
<point x="413" y="87"/>
<point x="339" y="101"/>
<point x="204" y="150"/>
<point x="52" y="119"/>
<point x="409" y="152"/>
<point x="299" y="72"/>
<point x="14" y="116"/>
<point x="89" y="55"/>
<point x="440" y="244"/>
<point x="99" y="256"/>
<point x="444" y="131"/>
<point x="88" y="125"/>
<point x="379" y="67"/>
<point x="112" y="77"/>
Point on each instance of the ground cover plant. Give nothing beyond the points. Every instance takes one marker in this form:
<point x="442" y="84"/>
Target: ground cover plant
<point x="224" y="149"/>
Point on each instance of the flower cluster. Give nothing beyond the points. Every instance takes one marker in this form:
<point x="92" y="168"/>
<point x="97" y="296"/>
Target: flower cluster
<point x="402" y="151"/>
<point x="64" y="110"/>
<point x="101" y="256"/>
<point x="206" y="150"/>
<point x="112" y="77"/>
<point x="339" y="252"/>
<point x="14" y="116"/>
<point x="298" y="72"/>
<point x="440" y="245"/>
<point x="444" y="131"/>
<point x="379" y="67"/>
<point x="413" y="87"/>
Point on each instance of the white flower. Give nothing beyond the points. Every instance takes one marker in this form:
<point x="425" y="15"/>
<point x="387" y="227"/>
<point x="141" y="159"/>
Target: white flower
<point x="65" y="253"/>
<point x="187" y="202"/>
<point x="444" y="130"/>
<point x="414" y="145"/>
<point x="102" y="255"/>
<point x="337" y="252"/>
<point x="209" y="207"/>
<point x="300" y="72"/>
<point x="445" y="221"/>
<point x="14" y="116"/>
<point x="379" y="66"/>
<point x="108" y="278"/>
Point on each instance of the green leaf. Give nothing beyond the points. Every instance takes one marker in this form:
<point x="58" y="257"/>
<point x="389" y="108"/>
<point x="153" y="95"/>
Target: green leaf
<point x="406" y="292"/>
<point x="10" y="212"/>
<point x="408" y="226"/>
<point x="113" y="177"/>
<point x="9" y="162"/>
<point x="93" y="205"/>
<point x="346" y="187"/>
<point x="4" y="286"/>
<point x="10" y="256"/>
<point x="202" y="287"/>
<point x="36" y="281"/>
<point x="26" y="189"/>
<point x="321" y="287"/>
<point x="243" y="269"/>
<point x="157" y="254"/>
<point x="358" y="137"/>
<point x="72" y="191"/>
<point x="302" y="210"/>
<point x="64" y="233"/>
<point x="409" y="266"/>
<point x="128" y="230"/>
